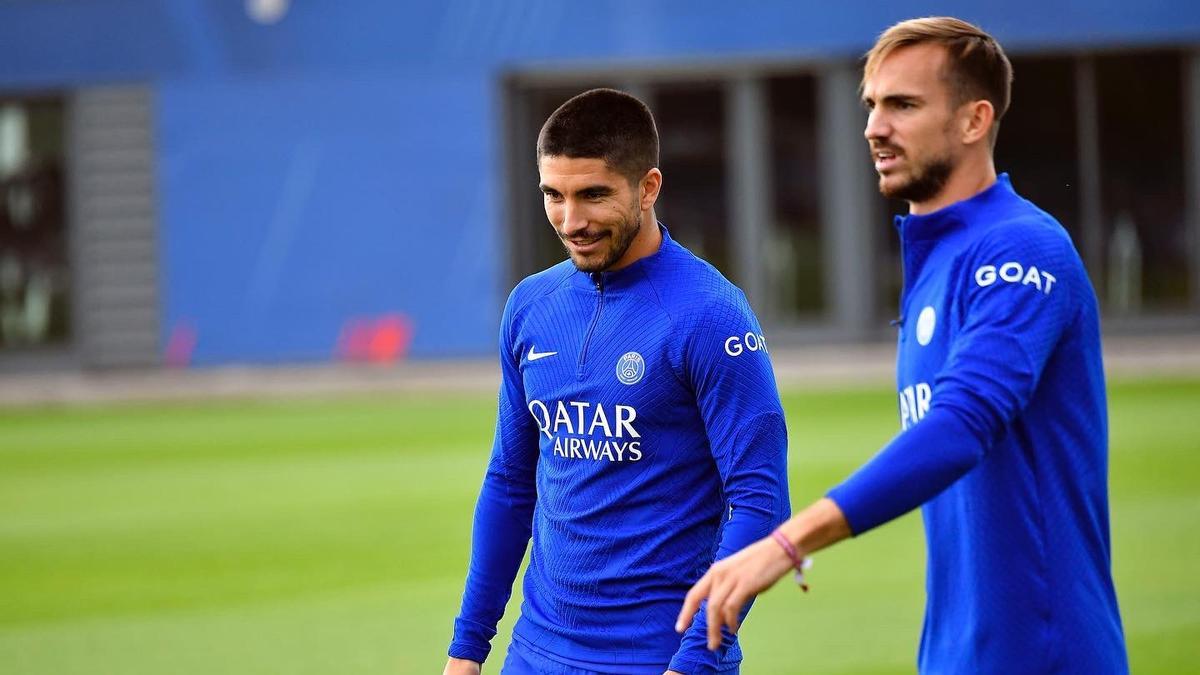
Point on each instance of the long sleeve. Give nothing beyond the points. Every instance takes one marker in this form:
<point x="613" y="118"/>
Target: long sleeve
<point x="504" y="511"/>
<point x="727" y="364"/>
<point x="1010" y="325"/>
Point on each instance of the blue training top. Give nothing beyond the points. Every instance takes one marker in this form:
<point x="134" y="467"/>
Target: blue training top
<point x="1004" y="442"/>
<point x="639" y="434"/>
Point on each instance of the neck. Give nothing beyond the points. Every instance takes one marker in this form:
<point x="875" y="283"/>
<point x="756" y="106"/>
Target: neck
<point x="972" y="176"/>
<point x="645" y="243"/>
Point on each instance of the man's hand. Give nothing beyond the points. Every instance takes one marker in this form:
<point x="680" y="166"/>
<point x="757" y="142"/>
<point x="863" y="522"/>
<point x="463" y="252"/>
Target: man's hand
<point x="731" y="583"/>
<point x="461" y="667"/>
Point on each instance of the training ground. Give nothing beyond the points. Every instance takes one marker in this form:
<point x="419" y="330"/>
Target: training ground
<point x="317" y="520"/>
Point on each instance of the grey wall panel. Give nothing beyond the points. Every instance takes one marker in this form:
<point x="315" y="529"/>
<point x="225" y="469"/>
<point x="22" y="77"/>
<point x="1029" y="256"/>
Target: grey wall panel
<point x="848" y="212"/>
<point x="749" y="171"/>
<point x="113" y="225"/>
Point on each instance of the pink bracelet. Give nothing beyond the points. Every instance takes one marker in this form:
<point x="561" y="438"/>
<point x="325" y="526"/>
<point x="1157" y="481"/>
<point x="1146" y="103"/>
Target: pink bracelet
<point x="800" y="563"/>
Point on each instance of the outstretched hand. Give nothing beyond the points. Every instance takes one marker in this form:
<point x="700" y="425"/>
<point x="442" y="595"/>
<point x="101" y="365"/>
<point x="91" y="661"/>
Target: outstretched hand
<point x="731" y="583"/>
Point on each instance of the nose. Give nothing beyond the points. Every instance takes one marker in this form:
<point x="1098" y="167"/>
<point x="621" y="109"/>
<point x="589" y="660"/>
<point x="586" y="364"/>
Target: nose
<point x="574" y="219"/>
<point x="877" y="127"/>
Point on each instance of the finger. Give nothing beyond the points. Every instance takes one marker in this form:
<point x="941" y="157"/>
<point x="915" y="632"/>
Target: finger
<point x="715" y="601"/>
<point x="691" y="603"/>
<point x="732" y="609"/>
<point x="713" y="628"/>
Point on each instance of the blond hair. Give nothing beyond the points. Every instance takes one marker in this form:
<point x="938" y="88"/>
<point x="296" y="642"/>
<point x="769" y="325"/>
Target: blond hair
<point x="976" y="67"/>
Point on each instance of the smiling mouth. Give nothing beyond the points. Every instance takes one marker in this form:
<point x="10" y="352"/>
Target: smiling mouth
<point x="585" y="241"/>
<point x="885" y="159"/>
<point x="585" y="244"/>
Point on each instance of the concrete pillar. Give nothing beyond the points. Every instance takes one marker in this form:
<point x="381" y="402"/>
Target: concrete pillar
<point x="751" y="202"/>
<point x="849" y="213"/>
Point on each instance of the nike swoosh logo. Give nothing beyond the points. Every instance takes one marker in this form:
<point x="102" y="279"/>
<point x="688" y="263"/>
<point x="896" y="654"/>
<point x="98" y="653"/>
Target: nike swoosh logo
<point x="534" y="355"/>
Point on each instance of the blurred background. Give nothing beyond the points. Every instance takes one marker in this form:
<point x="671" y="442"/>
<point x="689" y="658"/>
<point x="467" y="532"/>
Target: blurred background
<point x="208" y="207"/>
<point x="191" y="182"/>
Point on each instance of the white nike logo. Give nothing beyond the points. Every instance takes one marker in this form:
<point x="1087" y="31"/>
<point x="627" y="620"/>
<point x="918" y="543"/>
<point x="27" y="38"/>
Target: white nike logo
<point x="534" y="355"/>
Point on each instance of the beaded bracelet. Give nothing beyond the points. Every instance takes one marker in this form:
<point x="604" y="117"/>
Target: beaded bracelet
<point x="800" y="563"/>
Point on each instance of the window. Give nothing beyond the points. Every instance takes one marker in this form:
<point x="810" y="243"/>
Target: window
<point x="1038" y="143"/>
<point x="1144" y="232"/>
<point x="794" y="254"/>
<point x="692" y="154"/>
<point x="34" y="272"/>
<point x="1098" y="141"/>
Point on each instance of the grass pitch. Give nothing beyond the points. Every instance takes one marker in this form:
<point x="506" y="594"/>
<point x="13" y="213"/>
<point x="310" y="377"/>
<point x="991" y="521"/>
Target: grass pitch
<point x="332" y="537"/>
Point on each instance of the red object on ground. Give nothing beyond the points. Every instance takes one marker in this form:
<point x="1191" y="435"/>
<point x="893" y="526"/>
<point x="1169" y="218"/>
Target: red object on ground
<point x="382" y="339"/>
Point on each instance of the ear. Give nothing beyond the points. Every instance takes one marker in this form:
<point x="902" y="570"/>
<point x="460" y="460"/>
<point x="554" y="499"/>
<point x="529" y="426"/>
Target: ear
<point x="976" y="121"/>
<point x="650" y="185"/>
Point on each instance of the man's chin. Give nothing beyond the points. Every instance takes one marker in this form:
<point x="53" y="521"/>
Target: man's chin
<point x="892" y="186"/>
<point x="589" y="264"/>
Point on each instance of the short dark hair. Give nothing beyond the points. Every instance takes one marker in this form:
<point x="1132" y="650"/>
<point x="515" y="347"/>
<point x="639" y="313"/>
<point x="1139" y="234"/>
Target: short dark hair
<point x="977" y="67"/>
<point x="603" y="124"/>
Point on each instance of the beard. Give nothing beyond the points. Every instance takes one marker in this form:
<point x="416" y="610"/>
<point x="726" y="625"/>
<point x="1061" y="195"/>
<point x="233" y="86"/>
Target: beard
<point x="926" y="182"/>
<point x="620" y="238"/>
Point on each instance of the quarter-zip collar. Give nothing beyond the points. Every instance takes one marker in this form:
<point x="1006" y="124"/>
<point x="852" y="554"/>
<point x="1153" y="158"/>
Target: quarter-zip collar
<point x="627" y="276"/>
<point x="920" y="235"/>
<point x="957" y="215"/>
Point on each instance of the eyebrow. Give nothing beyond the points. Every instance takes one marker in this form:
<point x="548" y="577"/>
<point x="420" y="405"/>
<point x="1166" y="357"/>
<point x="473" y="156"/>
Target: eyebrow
<point x="591" y="190"/>
<point x="893" y="99"/>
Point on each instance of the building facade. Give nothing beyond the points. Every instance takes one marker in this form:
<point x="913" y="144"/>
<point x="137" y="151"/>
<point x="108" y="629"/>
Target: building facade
<point x="196" y="183"/>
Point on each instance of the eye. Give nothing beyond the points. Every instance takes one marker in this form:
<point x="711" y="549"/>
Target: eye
<point x="552" y="196"/>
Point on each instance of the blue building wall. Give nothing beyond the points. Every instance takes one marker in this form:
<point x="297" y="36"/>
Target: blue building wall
<point x="293" y="204"/>
<point x="344" y="164"/>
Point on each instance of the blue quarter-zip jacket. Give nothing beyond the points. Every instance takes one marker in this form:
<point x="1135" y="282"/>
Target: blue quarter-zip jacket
<point x="1004" y="442"/>
<point x="639" y="435"/>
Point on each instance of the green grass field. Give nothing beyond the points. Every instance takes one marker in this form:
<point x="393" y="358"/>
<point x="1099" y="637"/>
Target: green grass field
<point x="332" y="537"/>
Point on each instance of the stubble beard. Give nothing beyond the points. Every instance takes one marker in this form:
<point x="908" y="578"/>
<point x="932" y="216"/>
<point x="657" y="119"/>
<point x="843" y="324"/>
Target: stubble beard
<point x="925" y="184"/>
<point x="622" y="238"/>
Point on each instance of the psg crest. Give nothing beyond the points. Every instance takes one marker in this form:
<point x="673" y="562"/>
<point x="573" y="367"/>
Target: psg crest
<point x="630" y="368"/>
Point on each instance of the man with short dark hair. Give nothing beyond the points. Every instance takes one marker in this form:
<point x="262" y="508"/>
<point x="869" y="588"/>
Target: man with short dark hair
<point x="1001" y="390"/>
<point x="639" y="431"/>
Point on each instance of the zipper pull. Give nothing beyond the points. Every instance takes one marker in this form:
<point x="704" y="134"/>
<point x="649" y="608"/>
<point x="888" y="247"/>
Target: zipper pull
<point x="598" y="280"/>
